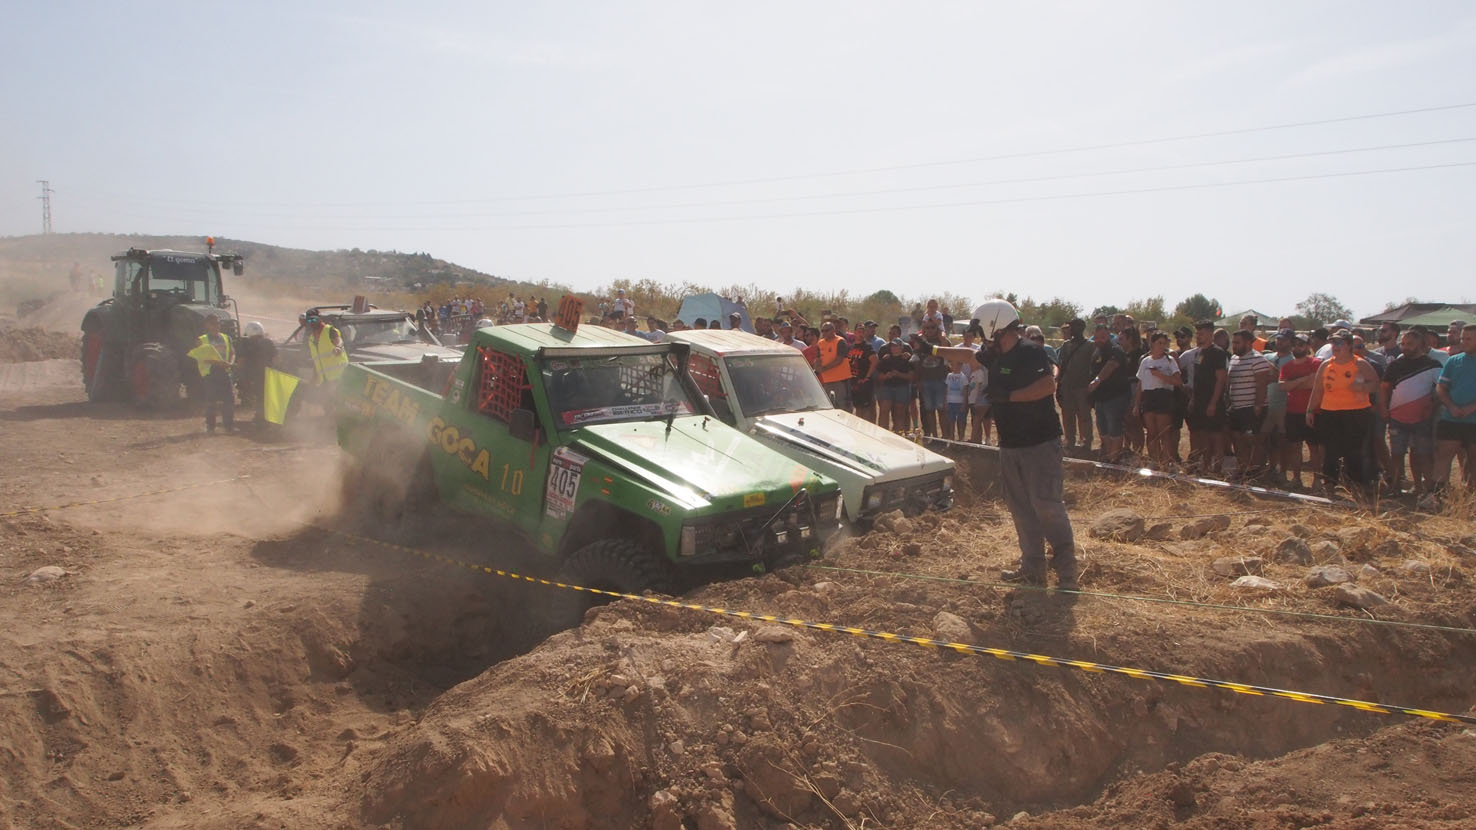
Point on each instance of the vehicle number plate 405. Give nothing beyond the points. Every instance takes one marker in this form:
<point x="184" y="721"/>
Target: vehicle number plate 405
<point x="564" y="470"/>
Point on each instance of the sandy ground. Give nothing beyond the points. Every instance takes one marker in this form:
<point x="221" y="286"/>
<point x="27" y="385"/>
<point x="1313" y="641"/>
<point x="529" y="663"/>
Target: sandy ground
<point x="224" y="657"/>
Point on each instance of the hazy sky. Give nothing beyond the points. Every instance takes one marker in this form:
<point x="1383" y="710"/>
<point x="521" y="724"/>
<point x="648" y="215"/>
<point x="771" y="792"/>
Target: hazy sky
<point x="973" y="146"/>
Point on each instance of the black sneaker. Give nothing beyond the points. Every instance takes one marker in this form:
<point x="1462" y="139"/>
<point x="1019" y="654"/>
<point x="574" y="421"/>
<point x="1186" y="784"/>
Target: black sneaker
<point x="1024" y="577"/>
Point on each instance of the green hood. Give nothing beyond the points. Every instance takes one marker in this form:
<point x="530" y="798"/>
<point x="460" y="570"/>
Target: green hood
<point x="701" y="461"/>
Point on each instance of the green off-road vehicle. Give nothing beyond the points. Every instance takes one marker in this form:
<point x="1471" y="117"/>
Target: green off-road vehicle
<point x="592" y="446"/>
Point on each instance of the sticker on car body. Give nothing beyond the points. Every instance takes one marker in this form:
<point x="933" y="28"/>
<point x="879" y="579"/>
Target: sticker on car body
<point x="565" y="468"/>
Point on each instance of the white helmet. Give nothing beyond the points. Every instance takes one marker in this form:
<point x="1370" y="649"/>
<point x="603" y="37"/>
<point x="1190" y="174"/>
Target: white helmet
<point x="255" y="329"/>
<point x="995" y="316"/>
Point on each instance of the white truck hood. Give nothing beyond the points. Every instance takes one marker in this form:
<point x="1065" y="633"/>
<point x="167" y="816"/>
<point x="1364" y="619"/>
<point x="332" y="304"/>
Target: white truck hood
<point x="855" y="442"/>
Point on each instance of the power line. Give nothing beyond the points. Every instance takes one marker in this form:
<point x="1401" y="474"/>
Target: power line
<point x="879" y="209"/>
<point x="896" y="167"/>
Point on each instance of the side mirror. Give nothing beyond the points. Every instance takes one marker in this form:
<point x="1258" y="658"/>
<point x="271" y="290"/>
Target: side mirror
<point x="238" y="267"/>
<point x="522" y="425"/>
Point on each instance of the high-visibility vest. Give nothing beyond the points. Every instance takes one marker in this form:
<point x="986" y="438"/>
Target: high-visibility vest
<point x="327" y="363"/>
<point x="205" y="365"/>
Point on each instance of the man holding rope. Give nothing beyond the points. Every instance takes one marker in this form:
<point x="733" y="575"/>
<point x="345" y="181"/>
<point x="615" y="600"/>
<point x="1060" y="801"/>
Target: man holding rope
<point x="1021" y="393"/>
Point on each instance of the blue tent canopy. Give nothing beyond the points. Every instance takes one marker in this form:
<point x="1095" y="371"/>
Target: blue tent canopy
<point x="712" y="307"/>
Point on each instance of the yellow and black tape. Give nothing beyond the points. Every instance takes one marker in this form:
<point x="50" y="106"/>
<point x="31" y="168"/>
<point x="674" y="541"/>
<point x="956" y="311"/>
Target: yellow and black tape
<point x="180" y="488"/>
<point x="962" y="648"/>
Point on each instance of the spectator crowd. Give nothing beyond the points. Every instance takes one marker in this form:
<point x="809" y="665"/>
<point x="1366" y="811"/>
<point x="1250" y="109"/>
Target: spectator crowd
<point x="1386" y="409"/>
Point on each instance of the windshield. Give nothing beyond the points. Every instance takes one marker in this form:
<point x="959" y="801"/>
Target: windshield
<point x="380" y="332"/>
<point x="191" y="277"/>
<point x="775" y="383"/>
<point x="620" y="388"/>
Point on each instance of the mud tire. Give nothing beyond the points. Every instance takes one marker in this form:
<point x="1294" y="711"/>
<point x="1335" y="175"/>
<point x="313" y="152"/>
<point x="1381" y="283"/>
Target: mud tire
<point x="106" y="381"/>
<point x="621" y="565"/>
<point x="154" y="376"/>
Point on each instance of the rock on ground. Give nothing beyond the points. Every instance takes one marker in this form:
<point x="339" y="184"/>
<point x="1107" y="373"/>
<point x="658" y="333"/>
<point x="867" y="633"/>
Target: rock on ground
<point x="1256" y="583"/>
<point x="1121" y="525"/>
<point x="1358" y="597"/>
<point x="1237" y="565"/>
<point x="1293" y="551"/>
<point x="1324" y="576"/>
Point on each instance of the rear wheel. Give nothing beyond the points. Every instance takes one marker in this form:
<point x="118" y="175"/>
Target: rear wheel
<point x="92" y="346"/>
<point x="155" y="376"/>
<point x="620" y="565"/>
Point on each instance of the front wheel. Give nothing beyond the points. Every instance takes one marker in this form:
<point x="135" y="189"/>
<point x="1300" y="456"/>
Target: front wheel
<point x="618" y="565"/>
<point x="155" y="376"/>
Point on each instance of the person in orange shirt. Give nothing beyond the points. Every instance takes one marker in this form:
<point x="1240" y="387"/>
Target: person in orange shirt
<point x="1342" y="413"/>
<point x="832" y="365"/>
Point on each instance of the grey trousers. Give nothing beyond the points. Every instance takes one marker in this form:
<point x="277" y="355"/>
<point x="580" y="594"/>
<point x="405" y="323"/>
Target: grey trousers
<point x="1076" y="416"/>
<point x="1034" y="490"/>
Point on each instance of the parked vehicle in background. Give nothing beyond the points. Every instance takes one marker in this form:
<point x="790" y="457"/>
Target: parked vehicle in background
<point x="135" y="343"/>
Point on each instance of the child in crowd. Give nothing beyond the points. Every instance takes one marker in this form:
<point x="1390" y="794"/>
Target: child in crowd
<point x="957" y="417"/>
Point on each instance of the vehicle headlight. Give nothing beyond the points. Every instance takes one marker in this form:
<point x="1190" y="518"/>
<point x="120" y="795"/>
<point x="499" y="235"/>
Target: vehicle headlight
<point x="689" y="541"/>
<point x="948" y="482"/>
<point x="840" y="507"/>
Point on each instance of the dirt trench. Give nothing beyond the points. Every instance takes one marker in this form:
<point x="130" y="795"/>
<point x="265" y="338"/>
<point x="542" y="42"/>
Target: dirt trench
<point x="205" y="665"/>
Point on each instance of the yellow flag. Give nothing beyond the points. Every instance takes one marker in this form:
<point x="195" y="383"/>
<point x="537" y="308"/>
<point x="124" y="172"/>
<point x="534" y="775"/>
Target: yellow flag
<point x="203" y="354"/>
<point x="277" y="394"/>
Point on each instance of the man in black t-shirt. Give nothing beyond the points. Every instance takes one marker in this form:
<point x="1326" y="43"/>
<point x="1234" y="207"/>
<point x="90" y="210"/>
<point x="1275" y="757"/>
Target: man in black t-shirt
<point x="1021" y="394"/>
<point x="1110" y="392"/>
<point x="863" y="362"/>
<point x="1206" y="417"/>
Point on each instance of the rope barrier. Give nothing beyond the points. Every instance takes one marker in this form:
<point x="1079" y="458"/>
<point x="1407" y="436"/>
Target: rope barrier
<point x="962" y="648"/>
<point x="1144" y="472"/>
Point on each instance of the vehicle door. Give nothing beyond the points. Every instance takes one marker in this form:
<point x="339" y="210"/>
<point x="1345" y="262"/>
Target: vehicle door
<point x="493" y="454"/>
<point x="706" y="375"/>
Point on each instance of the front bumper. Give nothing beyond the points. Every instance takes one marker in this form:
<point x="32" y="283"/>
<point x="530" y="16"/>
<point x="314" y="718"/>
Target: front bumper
<point x="930" y="491"/>
<point x="763" y="536"/>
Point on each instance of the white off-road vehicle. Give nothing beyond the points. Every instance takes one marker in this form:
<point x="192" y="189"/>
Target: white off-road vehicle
<point x="766" y="389"/>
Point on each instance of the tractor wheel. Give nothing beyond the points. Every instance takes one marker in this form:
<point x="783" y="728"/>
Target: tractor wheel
<point x="107" y="376"/>
<point x="92" y="349"/>
<point x="155" y="376"/>
<point x="620" y="565"/>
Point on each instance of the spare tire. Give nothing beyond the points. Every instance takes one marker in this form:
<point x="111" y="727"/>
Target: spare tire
<point x="155" y="376"/>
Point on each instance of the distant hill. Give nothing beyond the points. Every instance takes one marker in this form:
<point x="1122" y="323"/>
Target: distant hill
<point x="32" y="267"/>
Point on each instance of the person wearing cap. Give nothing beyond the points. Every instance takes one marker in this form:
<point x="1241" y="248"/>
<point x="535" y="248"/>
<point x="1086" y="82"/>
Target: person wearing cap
<point x="1021" y="393"/>
<point x="623" y="305"/>
<point x="894" y="375"/>
<point x="786" y="335"/>
<point x="1342" y="413"/>
<point x="877" y="344"/>
<point x="1295" y="380"/>
<point x="735" y="321"/>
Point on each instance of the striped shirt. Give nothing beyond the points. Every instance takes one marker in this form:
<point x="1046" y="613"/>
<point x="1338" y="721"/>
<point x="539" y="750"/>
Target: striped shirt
<point x="1244" y="370"/>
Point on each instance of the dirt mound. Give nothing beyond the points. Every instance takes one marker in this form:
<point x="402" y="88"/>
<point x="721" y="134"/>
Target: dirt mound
<point x="1414" y="776"/>
<point x="21" y="345"/>
<point x="61" y="312"/>
<point x="649" y="714"/>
